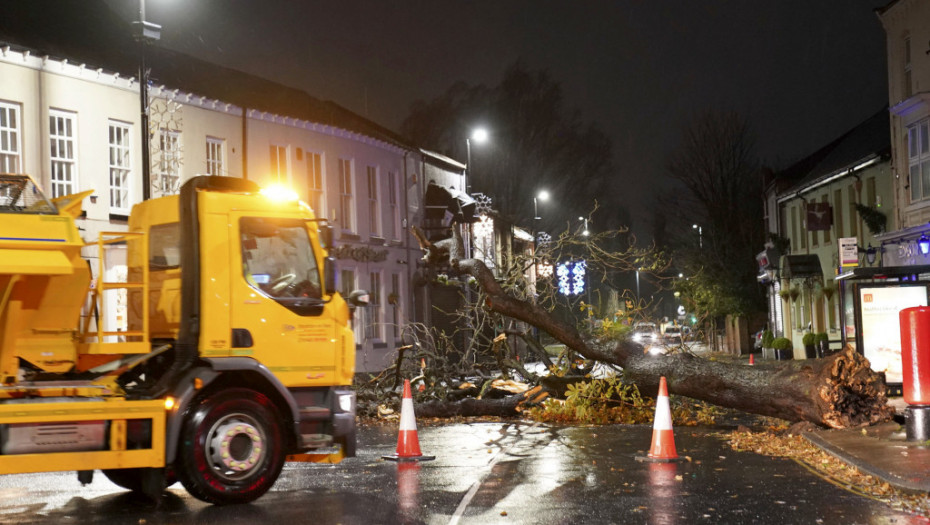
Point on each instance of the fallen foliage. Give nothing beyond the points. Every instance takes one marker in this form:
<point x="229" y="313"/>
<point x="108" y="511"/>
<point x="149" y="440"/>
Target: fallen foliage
<point x="777" y="441"/>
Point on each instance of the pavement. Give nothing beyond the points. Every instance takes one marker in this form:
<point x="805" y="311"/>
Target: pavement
<point x="882" y="451"/>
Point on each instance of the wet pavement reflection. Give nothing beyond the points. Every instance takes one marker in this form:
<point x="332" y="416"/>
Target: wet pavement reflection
<point x="511" y="473"/>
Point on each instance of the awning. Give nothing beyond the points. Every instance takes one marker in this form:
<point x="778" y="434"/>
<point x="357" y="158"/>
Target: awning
<point x="34" y="262"/>
<point x="913" y="273"/>
<point x="802" y="266"/>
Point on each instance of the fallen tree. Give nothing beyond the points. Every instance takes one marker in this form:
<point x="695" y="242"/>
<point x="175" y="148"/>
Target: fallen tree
<point x="839" y="391"/>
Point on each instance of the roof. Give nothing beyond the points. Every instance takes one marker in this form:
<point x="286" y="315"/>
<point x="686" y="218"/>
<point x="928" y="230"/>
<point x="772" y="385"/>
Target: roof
<point x="869" y="140"/>
<point x="72" y="30"/>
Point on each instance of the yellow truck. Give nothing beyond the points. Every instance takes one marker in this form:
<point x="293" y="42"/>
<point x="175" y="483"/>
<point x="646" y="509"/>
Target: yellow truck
<point x="230" y="352"/>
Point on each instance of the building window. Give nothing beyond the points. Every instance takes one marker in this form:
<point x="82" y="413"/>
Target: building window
<point x="278" y="169"/>
<point x="918" y="160"/>
<point x="853" y="213"/>
<point x="826" y="233"/>
<point x="9" y="138"/>
<point x="374" y="212"/>
<point x="347" y="286"/>
<point x="907" y="67"/>
<point x="216" y="157"/>
<point x="396" y="304"/>
<point x="62" y="132"/>
<point x="169" y="165"/>
<point x="346" y="204"/>
<point x="315" y="182"/>
<point x="838" y="212"/>
<point x="373" y="327"/>
<point x="120" y="139"/>
<point x="393" y="198"/>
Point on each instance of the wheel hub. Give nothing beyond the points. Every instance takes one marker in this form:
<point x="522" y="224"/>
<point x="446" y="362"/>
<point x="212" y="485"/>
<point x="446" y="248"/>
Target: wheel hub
<point x="237" y="446"/>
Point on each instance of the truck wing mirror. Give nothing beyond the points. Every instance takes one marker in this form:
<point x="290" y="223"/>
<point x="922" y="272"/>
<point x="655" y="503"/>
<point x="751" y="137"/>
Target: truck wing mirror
<point x="359" y="298"/>
<point x="326" y="235"/>
<point x="329" y="275"/>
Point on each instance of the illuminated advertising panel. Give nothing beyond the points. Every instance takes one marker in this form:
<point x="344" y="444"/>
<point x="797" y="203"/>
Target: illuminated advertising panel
<point x="881" y="329"/>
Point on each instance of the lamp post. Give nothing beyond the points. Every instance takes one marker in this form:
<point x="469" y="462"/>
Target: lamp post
<point x="543" y="196"/>
<point x="700" y="231"/>
<point x="585" y="231"/>
<point x="479" y="135"/>
<point x="637" y="286"/>
<point x="145" y="32"/>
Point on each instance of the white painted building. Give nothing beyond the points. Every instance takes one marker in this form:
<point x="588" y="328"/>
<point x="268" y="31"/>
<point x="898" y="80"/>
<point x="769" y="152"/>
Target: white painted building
<point x="76" y="127"/>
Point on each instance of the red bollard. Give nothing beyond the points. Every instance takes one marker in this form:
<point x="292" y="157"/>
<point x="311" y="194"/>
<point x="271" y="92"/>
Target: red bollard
<point x="915" y="361"/>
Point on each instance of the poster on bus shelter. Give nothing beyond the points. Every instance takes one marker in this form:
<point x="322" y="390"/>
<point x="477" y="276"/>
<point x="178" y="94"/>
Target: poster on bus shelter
<point x="881" y="328"/>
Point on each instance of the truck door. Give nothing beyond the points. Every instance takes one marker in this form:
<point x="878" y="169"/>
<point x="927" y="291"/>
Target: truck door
<point x="277" y="300"/>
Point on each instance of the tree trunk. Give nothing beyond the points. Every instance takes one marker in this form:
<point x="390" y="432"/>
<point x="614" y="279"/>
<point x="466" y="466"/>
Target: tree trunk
<point x="839" y="391"/>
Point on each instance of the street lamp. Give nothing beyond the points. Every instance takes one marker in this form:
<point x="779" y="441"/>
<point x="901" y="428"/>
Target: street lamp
<point x="700" y="234"/>
<point x="541" y="196"/>
<point x="585" y="231"/>
<point x="480" y="136"/>
<point x="145" y="32"/>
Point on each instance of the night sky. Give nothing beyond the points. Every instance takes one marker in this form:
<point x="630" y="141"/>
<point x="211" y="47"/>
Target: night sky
<point x="803" y="71"/>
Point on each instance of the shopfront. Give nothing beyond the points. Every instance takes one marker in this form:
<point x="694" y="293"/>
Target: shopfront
<point x="870" y="300"/>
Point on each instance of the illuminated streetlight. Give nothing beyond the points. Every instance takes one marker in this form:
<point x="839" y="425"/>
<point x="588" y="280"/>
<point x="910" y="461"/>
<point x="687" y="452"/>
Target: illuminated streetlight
<point x="585" y="231"/>
<point x="700" y="234"/>
<point x="480" y="136"/>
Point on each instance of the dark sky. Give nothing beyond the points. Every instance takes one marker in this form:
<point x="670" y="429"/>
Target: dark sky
<point x="803" y="71"/>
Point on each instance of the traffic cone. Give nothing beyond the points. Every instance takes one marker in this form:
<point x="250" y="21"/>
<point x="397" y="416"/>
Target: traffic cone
<point x="663" y="439"/>
<point x="408" y="444"/>
<point x="752" y="360"/>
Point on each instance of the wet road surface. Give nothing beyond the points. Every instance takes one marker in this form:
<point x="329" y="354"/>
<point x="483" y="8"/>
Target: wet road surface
<point x="487" y="473"/>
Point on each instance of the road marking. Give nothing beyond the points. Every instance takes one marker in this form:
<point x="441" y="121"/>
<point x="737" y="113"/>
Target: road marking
<point x="460" y="510"/>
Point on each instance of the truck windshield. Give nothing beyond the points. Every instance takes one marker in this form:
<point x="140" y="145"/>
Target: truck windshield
<point x="278" y="260"/>
<point x="18" y="194"/>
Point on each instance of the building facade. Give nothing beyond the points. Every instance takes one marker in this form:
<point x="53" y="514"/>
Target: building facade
<point x="77" y="127"/>
<point x="825" y="197"/>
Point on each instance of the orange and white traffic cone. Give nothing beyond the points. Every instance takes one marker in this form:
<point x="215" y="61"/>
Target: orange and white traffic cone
<point x="752" y="360"/>
<point x="408" y="444"/>
<point x="663" y="438"/>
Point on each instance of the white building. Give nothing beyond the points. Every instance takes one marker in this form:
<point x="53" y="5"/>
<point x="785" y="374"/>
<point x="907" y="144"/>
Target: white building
<point x="75" y="126"/>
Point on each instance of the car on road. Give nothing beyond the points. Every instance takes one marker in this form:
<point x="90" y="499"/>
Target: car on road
<point x="673" y="335"/>
<point x="645" y="333"/>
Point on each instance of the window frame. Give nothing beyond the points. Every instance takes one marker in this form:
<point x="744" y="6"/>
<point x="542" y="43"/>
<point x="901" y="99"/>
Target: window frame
<point x="120" y="192"/>
<point x="374" y="327"/>
<point x="11" y="136"/>
<point x="169" y="162"/>
<point x="216" y="156"/>
<point x="394" y="205"/>
<point x="374" y="207"/>
<point x="315" y="174"/>
<point x="346" y="199"/>
<point x="59" y="163"/>
<point x="279" y="165"/>
<point x="918" y="161"/>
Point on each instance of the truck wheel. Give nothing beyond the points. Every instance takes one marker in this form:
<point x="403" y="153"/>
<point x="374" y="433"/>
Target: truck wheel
<point x="231" y="448"/>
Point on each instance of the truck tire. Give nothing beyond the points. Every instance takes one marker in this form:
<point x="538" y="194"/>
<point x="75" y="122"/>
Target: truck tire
<point x="131" y="478"/>
<point x="231" y="448"/>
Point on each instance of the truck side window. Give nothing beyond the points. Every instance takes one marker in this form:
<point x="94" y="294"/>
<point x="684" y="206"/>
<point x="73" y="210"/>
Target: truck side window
<point x="278" y="260"/>
<point x="164" y="247"/>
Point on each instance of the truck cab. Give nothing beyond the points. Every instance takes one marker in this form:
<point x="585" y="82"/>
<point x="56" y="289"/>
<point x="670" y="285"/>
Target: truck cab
<point x="238" y="352"/>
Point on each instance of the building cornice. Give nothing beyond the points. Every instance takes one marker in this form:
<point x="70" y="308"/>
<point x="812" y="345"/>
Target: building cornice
<point x="47" y="64"/>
